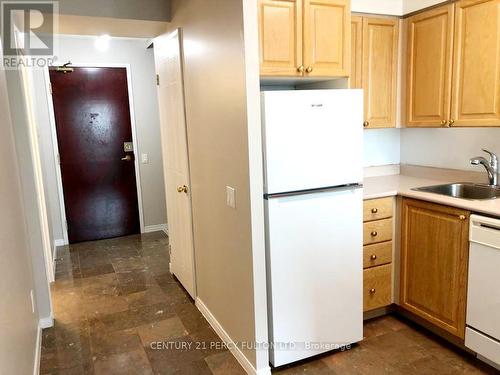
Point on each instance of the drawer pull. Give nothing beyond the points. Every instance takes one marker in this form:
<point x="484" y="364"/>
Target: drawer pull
<point x="372" y="291"/>
<point x="373" y="257"/>
<point x="374" y="210"/>
<point x="374" y="233"/>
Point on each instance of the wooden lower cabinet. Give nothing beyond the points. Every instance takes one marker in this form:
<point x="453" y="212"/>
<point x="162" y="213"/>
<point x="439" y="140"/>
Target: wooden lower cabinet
<point x="377" y="231"/>
<point x="377" y="287"/>
<point x="377" y="253"/>
<point x="434" y="258"/>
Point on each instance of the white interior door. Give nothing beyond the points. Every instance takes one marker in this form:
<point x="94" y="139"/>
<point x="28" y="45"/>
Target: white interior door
<point x="168" y="57"/>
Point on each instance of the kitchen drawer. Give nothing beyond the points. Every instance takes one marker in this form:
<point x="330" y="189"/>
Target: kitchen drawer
<point x="377" y="254"/>
<point x="376" y="209"/>
<point x="377" y="231"/>
<point x="377" y="287"/>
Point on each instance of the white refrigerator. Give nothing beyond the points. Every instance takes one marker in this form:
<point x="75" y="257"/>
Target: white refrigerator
<point x="313" y="172"/>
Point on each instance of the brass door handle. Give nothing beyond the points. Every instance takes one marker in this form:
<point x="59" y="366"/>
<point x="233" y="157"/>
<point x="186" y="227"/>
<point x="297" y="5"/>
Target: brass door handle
<point x="372" y="291"/>
<point x="365" y="124"/>
<point x="451" y="122"/>
<point x="127" y="158"/>
<point x="374" y="233"/>
<point x="373" y="257"/>
<point x="309" y="69"/>
<point x="300" y="69"/>
<point x="374" y="210"/>
<point x="182" y="189"/>
<point x="443" y="122"/>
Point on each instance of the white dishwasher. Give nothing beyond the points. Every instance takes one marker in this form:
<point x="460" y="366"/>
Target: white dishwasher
<point x="482" y="333"/>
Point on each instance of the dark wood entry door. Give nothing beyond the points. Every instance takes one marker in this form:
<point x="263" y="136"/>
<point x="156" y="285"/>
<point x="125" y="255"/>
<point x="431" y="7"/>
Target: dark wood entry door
<point x="92" y="115"/>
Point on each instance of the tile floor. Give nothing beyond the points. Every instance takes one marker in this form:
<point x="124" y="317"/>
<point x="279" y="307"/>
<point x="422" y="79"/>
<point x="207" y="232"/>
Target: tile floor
<point x="113" y="298"/>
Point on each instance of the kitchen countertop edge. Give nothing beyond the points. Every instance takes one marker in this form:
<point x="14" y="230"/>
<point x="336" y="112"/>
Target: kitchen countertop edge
<point x="393" y="185"/>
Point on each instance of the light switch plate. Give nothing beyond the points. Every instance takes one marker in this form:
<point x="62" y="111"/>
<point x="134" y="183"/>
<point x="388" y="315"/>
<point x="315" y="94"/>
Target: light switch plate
<point x="231" y="196"/>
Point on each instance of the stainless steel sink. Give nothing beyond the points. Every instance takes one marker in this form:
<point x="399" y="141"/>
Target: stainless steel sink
<point x="464" y="190"/>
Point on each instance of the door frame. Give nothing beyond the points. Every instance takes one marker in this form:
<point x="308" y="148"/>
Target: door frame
<point x="55" y="146"/>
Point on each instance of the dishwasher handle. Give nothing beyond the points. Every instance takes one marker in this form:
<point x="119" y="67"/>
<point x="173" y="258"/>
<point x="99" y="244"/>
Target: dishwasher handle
<point x="485" y="230"/>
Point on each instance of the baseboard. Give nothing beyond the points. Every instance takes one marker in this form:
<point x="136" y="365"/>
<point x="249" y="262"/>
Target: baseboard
<point x="38" y="351"/>
<point x="54" y="257"/>
<point x="59" y="242"/>
<point x="237" y="353"/>
<point x="156" y="228"/>
<point x="46" y="322"/>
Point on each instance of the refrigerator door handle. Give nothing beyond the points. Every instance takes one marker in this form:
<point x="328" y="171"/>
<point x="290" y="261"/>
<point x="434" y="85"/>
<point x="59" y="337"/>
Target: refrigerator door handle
<point x="314" y="191"/>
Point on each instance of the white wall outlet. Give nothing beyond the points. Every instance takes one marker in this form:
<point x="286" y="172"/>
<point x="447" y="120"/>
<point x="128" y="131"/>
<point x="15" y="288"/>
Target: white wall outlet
<point x="231" y="196"/>
<point x="144" y="158"/>
<point x="32" y="297"/>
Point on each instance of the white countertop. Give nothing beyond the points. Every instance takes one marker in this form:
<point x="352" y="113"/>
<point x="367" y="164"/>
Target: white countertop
<point x="385" y="186"/>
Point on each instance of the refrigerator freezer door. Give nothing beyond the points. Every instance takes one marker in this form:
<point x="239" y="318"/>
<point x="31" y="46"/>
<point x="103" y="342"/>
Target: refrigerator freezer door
<point x="312" y="139"/>
<point x="314" y="259"/>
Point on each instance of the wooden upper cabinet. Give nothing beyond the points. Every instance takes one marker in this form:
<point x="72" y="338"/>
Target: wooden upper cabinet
<point x="280" y="33"/>
<point x="429" y="60"/>
<point x="380" y="66"/>
<point x="304" y="38"/>
<point x="476" y="86"/>
<point x="434" y="258"/>
<point x="326" y="44"/>
<point x="355" y="79"/>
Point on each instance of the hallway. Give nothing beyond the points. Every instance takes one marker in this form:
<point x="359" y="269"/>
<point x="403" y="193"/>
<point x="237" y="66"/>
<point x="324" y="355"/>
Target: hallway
<point x="112" y="299"/>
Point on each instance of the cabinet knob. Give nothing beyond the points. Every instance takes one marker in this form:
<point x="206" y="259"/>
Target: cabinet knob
<point x="309" y="69"/>
<point x="451" y="122"/>
<point x="373" y="257"/>
<point x="374" y="210"/>
<point x="443" y="122"/>
<point x="374" y="233"/>
<point x="372" y="291"/>
<point x="462" y="217"/>
<point x="365" y="124"/>
<point x="301" y="69"/>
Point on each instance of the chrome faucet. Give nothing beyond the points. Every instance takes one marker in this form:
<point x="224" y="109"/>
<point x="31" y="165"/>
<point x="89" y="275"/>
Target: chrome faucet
<point x="491" y="166"/>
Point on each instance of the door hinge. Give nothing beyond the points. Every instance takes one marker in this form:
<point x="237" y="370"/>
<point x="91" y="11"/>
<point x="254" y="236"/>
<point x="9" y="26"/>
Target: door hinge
<point x="59" y="159"/>
<point x="50" y="88"/>
<point x="157" y="80"/>
<point x="67" y="226"/>
<point x="170" y="251"/>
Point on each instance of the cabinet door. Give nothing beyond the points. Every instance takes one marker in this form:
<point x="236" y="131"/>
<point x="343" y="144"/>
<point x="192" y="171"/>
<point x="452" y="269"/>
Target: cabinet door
<point x="356" y="52"/>
<point x="429" y="60"/>
<point x="434" y="253"/>
<point x="380" y="65"/>
<point x="327" y="38"/>
<point x="476" y="77"/>
<point x="280" y="37"/>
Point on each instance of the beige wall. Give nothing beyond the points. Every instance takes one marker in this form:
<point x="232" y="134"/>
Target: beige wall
<point x="18" y="325"/>
<point x="218" y="133"/>
<point x="141" y="60"/>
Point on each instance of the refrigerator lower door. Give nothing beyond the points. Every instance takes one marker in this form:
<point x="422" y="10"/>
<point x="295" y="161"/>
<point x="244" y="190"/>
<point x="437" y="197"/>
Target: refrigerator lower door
<point x="314" y="251"/>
